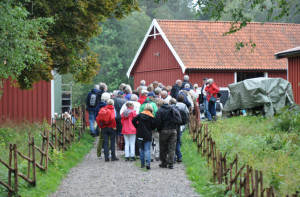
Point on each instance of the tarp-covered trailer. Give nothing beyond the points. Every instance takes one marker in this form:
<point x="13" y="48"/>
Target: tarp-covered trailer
<point x="270" y="93"/>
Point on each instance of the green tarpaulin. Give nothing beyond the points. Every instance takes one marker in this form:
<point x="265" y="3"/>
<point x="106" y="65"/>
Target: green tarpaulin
<point x="271" y="93"/>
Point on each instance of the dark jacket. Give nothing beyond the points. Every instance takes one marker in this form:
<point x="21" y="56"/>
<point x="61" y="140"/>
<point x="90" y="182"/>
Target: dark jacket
<point x="174" y="91"/>
<point x="144" y="124"/>
<point x="163" y="118"/>
<point x="118" y="105"/>
<point x="88" y="107"/>
<point x="185" y="82"/>
<point x="185" y="101"/>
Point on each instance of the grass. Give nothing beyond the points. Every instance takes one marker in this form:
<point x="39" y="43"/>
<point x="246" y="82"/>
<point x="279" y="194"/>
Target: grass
<point x="47" y="182"/>
<point x="197" y="169"/>
<point x="259" y="144"/>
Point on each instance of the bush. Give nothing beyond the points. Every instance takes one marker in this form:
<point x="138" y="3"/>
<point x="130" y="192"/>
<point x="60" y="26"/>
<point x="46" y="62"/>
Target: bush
<point x="287" y="120"/>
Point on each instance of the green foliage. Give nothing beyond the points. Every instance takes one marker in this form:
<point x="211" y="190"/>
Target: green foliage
<point x="274" y="152"/>
<point x="287" y="120"/>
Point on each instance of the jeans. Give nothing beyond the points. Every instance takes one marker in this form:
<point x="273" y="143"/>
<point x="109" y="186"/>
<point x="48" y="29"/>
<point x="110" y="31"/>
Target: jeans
<point x="145" y="151"/>
<point x="212" y="109"/>
<point x="129" y="145"/>
<point x="109" y="134"/>
<point x="100" y="144"/>
<point x="178" y="145"/>
<point x="206" y="111"/>
<point x="92" y="119"/>
<point x="167" y="141"/>
<point x="155" y="149"/>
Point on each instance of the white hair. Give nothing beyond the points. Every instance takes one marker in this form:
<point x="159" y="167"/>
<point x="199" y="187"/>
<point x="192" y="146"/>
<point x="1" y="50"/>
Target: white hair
<point x="115" y="93"/>
<point x="105" y="96"/>
<point x="165" y="93"/>
<point x="144" y="92"/>
<point x="96" y="86"/>
<point x="186" y="77"/>
<point x="134" y="97"/>
<point x="128" y="89"/>
<point x="178" y="81"/>
<point x="110" y="102"/>
<point x="187" y="86"/>
<point x="210" y="80"/>
<point x="143" y="82"/>
<point x="195" y="85"/>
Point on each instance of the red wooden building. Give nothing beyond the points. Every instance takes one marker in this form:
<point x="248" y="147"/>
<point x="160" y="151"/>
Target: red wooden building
<point x="173" y="48"/>
<point x="293" y="56"/>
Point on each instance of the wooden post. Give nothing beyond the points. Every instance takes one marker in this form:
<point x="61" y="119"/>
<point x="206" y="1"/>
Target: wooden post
<point x="225" y="169"/>
<point x="9" y="171"/>
<point x="268" y="192"/>
<point x="33" y="162"/>
<point x="256" y="184"/>
<point x="246" y="182"/>
<point x="43" y="148"/>
<point x="252" y="181"/>
<point x="236" y="171"/>
<point x="221" y="168"/>
<point x="16" y="169"/>
<point x="230" y="177"/>
<point x="261" y="182"/>
<point x="55" y="133"/>
<point x="47" y="149"/>
<point x="29" y="152"/>
<point x="63" y="135"/>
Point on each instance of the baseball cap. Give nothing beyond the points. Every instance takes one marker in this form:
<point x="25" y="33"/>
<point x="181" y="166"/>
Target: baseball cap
<point x="120" y="93"/>
<point x="151" y="94"/>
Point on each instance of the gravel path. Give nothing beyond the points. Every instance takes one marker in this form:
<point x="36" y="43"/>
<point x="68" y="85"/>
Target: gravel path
<point x="94" y="177"/>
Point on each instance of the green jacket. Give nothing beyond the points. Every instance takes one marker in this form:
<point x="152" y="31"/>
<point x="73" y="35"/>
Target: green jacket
<point x="153" y="105"/>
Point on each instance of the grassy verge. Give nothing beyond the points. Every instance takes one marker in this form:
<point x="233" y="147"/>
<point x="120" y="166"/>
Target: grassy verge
<point x="197" y="169"/>
<point x="47" y="182"/>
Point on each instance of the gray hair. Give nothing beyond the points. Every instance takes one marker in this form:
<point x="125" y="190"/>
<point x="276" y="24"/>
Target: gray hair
<point x="172" y="101"/>
<point x="105" y="96"/>
<point x="96" y="86"/>
<point x="165" y="93"/>
<point x="143" y="82"/>
<point x="178" y="81"/>
<point x="134" y="97"/>
<point x="187" y="86"/>
<point x="157" y="90"/>
<point x="160" y="85"/>
<point x="160" y="102"/>
<point x="148" y="107"/>
<point x="195" y="85"/>
<point x="186" y="77"/>
<point x="110" y="102"/>
<point x="128" y="104"/>
<point x="128" y="89"/>
<point x="210" y="80"/>
<point x="115" y="93"/>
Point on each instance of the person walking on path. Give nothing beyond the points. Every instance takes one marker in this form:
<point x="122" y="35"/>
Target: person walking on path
<point x="118" y="103"/>
<point x="129" y="131"/>
<point x="186" y="81"/>
<point x="91" y="107"/>
<point x="167" y="134"/>
<point x="176" y="88"/>
<point x="106" y="121"/>
<point x="143" y="85"/>
<point x="211" y="96"/>
<point x="165" y="96"/>
<point x="144" y="123"/>
<point x="203" y="98"/>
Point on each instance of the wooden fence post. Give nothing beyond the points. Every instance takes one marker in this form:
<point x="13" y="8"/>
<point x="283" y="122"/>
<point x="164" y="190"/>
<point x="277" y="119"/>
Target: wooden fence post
<point x="16" y="169"/>
<point x="33" y="162"/>
<point x="47" y="149"/>
<point x="9" y="171"/>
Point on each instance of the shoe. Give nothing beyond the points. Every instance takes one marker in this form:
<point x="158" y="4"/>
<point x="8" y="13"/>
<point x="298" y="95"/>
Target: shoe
<point x="157" y="158"/>
<point x="163" y="165"/>
<point x="148" y="167"/>
<point x="126" y="159"/>
<point x="106" y="160"/>
<point x="132" y="159"/>
<point x="142" y="165"/>
<point x="115" y="159"/>
<point x="151" y="160"/>
<point x="171" y="167"/>
<point x="179" y="160"/>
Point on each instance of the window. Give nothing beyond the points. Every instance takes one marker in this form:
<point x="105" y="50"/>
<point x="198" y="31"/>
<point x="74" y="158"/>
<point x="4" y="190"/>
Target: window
<point x="241" y="76"/>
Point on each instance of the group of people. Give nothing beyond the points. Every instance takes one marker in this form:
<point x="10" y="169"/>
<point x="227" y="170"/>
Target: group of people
<point x="151" y="118"/>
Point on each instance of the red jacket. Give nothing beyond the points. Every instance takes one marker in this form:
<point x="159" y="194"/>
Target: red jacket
<point x="211" y="90"/>
<point x="112" y="124"/>
<point x="126" y="121"/>
<point x="142" y="99"/>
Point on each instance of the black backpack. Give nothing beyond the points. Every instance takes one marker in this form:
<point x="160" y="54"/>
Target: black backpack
<point x="176" y="115"/>
<point x="93" y="100"/>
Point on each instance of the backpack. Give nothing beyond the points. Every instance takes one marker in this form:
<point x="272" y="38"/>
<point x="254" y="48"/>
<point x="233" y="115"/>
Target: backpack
<point x="104" y="115"/>
<point x="176" y="116"/>
<point x="93" y="100"/>
<point x="184" y="117"/>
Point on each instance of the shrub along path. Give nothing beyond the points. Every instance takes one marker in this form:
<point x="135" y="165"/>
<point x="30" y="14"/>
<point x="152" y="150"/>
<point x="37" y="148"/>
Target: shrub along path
<point x="94" y="177"/>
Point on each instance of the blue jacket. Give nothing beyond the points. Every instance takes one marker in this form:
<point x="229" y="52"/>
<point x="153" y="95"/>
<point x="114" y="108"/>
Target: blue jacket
<point x="185" y="101"/>
<point x="88" y="107"/>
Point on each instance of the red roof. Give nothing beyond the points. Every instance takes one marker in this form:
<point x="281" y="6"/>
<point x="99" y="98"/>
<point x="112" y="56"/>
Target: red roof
<point x="202" y="45"/>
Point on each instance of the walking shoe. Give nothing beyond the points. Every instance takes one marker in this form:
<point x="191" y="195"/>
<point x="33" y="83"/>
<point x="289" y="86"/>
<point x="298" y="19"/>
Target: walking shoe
<point x="126" y="158"/>
<point x="148" y="167"/>
<point x="157" y="158"/>
<point x="179" y="160"/>
<point x="170" y="167"/>
<point x="142" y="165"/>
<point x="162" y="165"/>
<point x="106" y="160"/>
<point x="114" y="159"/>
<point x="151" y="160"/>
<point x="132" y="159"/>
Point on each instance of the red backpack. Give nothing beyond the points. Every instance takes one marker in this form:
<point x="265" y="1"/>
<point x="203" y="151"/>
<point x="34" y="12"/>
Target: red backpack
<point x="104" y="115"/>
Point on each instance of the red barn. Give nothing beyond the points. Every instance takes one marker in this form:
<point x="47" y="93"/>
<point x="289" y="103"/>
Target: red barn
<point x="293" y="56"/>
<point x="173" y="48"/>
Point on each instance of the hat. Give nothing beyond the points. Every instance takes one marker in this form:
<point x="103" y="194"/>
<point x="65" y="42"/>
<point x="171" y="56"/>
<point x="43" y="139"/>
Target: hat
<point x="120" y="93"/>
<point x="152" y="94"/>
<point x="204" y="78"/>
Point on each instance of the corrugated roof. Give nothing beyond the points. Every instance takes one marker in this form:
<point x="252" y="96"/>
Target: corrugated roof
<point x="202" y="45"/>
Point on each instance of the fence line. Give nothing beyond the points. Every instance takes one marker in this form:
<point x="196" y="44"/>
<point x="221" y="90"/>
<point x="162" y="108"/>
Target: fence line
<point x="60" y="137"/>
<point x="243" y="181"/>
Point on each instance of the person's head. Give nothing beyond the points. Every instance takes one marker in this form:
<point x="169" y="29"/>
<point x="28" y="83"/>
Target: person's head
<point x="152" y="96"/>
<point x="129" y="105"/>
<point x="134" y="97"/>
<point x="122" y="85"/>
<point x="103" y="87"/>
<point x="96" y="87"/>
<point x="172" y="101"/>
<point x="186" y="77"/>
<point x="110" y="102"/>
<point x="148" y="107"/>
<point x="204" y="80"/>
<point x="164" y="94"/>
<point x="160" y="102"/>
<point x="140" y="89"/>
<point x="160" y="85"/>
<point x="136" y="92"/>
<point x="187" y="86"/>
<point x="105" y="96"/>
<point x="144" y="93"/>
<point x="155" y="84"/>
<point x="150" y="88"/>
<point x="157" y="91"/>
<point x="169" y="88"/>
<point x="115" y="93"/>
<point x="195" y="86"/>
<point x="210" y="81"/>
<point x="180" y="98"/>
<point x="143" y="82"/>
<point x="120" y="94"/>
<point x="128" y="89"/>
<point x="178" y="82"/>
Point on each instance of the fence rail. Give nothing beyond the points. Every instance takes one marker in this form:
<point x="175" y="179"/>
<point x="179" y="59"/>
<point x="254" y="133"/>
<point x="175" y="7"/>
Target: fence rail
<point x="243" y="181"/>
<point x="60" y="137"/>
